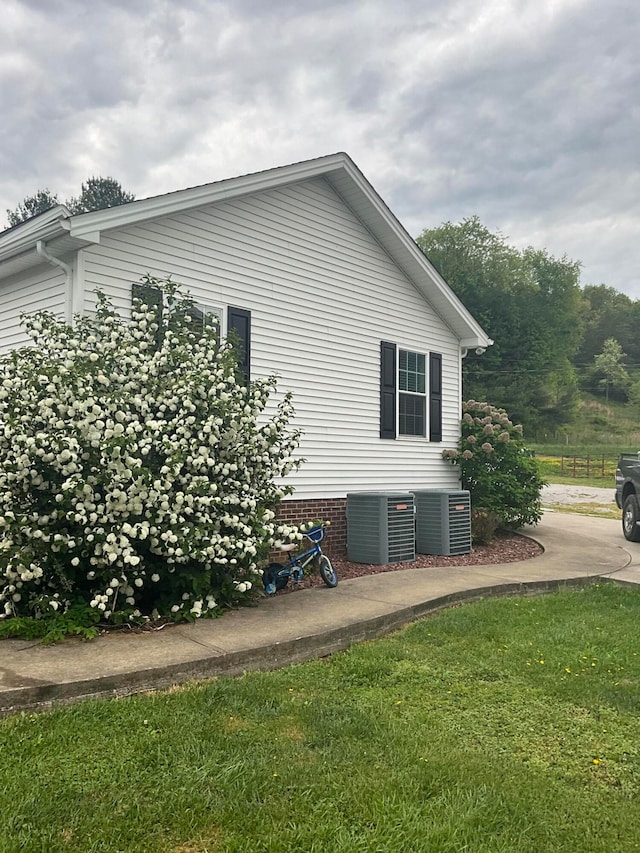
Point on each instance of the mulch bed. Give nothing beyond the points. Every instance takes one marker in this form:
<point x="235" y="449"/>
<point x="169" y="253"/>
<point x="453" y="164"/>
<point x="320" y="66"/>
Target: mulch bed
<point x="505" y="548"/>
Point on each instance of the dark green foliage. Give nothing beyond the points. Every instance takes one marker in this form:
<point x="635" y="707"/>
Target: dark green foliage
<point x="78" y="621"/>
<point x="137" y="478"/>
<point x="608" y="314"/>
<point x="31" y="206"/>
<point x="98" y="194"/>
<point x="530" y="304"/>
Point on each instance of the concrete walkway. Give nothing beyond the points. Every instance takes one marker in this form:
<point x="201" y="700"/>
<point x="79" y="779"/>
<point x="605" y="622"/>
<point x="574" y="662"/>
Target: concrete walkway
<point x="306" y="624"/>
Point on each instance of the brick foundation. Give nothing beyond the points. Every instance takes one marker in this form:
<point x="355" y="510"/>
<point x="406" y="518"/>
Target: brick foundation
<point x="327" y="509"/>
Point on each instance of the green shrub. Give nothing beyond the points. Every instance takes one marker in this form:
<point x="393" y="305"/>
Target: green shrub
<point x="137" y="474"/>
<point x="500" y="473"/>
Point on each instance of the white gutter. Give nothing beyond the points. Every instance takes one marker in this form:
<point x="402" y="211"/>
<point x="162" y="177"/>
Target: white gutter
<point x="41" y="249"/>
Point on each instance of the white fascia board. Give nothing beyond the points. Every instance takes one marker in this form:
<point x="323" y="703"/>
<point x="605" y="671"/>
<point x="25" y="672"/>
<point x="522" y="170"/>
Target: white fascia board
<point x="478" y="342"/>
<point x="176" y="202"/>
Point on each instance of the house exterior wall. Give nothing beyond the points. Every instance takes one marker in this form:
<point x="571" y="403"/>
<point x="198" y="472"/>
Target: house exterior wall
<point x="322" y="295"/>
<point x="39" y="289"/>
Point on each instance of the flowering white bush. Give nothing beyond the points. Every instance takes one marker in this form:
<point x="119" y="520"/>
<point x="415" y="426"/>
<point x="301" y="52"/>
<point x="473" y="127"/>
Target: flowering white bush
<point x="137" y="475"/>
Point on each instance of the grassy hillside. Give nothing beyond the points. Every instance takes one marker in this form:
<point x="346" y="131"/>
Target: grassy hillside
<point x="587" y="449"/>
<point x="597" y="428"/>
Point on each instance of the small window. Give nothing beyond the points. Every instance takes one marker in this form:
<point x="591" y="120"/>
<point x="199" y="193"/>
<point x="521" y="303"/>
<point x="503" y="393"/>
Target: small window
<point x="412" y="399"/>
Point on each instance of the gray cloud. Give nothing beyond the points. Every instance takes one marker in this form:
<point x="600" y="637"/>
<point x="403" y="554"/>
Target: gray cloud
<point x="525" y="112"/>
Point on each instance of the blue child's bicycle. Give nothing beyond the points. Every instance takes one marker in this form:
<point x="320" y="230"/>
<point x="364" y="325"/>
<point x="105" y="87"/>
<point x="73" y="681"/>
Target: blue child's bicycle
<point x="276" y="575"/>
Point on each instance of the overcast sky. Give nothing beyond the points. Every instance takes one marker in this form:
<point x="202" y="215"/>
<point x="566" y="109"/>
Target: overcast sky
<point x="524" y="112"/>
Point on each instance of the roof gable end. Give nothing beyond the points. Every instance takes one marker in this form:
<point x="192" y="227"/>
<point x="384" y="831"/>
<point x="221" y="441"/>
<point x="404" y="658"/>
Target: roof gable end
<point x="338" y="169"/>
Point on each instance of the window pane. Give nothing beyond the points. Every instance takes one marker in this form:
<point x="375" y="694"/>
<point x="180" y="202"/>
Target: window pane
<point x="203" y="316"/>
<point x="420" y="373"/>
<point x="197" y="317"/>
<point x="412" y="414"/>
<point x="411" y="373"/>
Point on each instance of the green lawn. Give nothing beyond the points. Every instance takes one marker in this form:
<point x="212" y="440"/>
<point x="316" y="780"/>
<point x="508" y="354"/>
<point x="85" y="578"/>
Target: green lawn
<point x="505" y="725"/>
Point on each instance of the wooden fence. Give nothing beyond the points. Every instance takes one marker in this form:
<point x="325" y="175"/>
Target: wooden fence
<point x="587" y="466"/>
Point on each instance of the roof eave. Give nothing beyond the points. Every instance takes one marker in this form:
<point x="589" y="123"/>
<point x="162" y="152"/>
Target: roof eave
<point x="52" y="223"/>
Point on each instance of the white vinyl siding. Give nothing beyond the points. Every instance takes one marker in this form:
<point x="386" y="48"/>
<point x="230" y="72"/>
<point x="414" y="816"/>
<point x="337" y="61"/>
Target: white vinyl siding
<point x="322" y="295"/>
<point x="42" y="289"/>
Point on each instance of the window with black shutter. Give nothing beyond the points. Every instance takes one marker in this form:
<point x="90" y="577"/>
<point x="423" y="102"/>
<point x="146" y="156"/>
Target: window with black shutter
<point x="410" y="393"/>
<point x="239" y="332"/>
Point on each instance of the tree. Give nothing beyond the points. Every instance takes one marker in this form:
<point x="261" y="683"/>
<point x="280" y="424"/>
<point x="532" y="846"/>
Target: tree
<point x="31" y="206"/>
<point x="530" y="304"/>
<point x="138" y="477"/>
<point x="98" y="194"/>
<point x="608" y="365"/>
<point x="609" y="314"/>
<point x="633" y="395"/>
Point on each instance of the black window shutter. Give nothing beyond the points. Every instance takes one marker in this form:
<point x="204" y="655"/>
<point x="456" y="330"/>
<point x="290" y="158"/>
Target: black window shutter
<point x="152" y="298"/>
<point x="388" y="380"/>
<point x="239" y="327"/>
<point x="435" y="396"/>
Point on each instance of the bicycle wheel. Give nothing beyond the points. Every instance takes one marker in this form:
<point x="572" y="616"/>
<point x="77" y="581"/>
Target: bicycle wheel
<point x="327" y="572"/>
<point x="275" y="577"/>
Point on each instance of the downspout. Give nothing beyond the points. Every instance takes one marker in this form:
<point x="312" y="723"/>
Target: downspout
<point x="41" y="249"/>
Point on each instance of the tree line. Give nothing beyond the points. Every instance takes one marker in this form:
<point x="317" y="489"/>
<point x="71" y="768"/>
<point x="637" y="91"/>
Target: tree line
<point x="96" y="193"/>
<point x="553" y="338"/>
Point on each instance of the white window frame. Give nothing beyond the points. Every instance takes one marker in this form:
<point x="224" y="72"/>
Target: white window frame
<point x="422" y="395"/>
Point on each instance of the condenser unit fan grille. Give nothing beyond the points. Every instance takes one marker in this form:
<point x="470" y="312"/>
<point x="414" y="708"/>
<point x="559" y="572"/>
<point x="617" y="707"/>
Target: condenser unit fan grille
<point x="401" y="532"/>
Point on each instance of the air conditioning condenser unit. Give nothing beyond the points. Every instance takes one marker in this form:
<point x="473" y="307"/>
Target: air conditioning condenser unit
<point x="380" y="527"/>
<point x="443" y="521"/>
